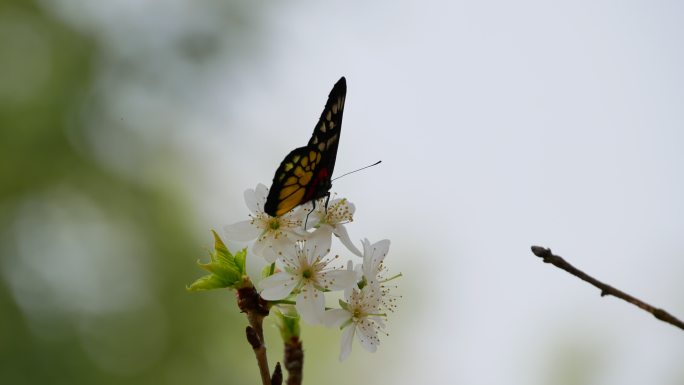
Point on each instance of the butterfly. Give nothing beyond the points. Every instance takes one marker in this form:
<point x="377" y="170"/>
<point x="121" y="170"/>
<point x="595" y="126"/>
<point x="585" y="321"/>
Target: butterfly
<point x="304" y="174"/>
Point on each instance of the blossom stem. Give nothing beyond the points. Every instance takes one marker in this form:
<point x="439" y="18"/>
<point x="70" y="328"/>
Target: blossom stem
<point x="548" y="257"/>
<point x="256" y="310"/>
<point x="283" y="302"/>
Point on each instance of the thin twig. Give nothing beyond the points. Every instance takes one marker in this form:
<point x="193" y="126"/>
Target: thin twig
<point x="559" y="262"/>
<point x="255" y="308"/>
<point x="294" y="360"/>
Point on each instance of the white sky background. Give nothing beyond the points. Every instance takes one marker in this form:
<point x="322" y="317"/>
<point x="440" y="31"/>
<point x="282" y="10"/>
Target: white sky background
<point x="500" y="125"/>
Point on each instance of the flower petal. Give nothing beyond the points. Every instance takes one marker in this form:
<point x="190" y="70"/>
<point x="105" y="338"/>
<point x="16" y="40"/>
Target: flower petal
<point x="351" y="207"/>
<point x="241" y="231"/>
<point x="277" y="286"/>
<point x="310" y="304"/>
<point x="321" y="240"/>
<point x="372" y="297"/>
<point x="288" y="254"/>
<point x="373" y="255"/>
<point x="379" y="321"/>
<point x="335" y="318"/>
<point x="367" y="335"/>
<point x="341" y="232"/>
<point x="298" y="214"/>
<point x="346" y="341"/>
<point x="251" y="201"/>
<point x="261" y="194"/>
<point x="264" y="249"/>
<point x="339" y="279"/>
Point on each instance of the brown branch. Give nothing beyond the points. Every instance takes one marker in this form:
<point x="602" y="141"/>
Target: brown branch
<point x="559" y="262"/>
<point x="256" y="309"/>
<point x="294" y="360"/>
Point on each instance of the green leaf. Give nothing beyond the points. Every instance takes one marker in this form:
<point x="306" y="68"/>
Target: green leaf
<point x="241" y="261"/>
<point x="227" y="273"/>
<point x="225" y="269"/>
<point x="218" y="243"/>
<point x="221" y="254"/>
<point x="207" y="282"/>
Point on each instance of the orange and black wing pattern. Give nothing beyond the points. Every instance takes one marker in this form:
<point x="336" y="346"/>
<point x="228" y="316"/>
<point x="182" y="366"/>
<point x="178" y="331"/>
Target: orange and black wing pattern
<point x="304" y="174"/>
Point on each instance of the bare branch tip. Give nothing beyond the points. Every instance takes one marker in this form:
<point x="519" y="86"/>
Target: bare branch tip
<point x="277" y="378"/>
<point x="541" y="252"/>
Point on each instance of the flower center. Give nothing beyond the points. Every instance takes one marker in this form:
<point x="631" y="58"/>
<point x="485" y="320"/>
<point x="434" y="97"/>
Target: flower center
<point x="274" y="224"/>
<point x="307" y="273"/>
<point x="357" y="314"/>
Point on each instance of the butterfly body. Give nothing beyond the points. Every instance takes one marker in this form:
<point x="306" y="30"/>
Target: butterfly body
<point x="305" y="173"/>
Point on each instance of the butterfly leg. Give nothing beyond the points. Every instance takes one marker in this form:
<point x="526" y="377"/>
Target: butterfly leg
<point x="313" y="208"/>
<point x="327" y="199"/>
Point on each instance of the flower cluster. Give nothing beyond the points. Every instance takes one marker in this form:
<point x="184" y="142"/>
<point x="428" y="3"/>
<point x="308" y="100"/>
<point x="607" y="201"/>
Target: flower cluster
<point x="297" y="245"/>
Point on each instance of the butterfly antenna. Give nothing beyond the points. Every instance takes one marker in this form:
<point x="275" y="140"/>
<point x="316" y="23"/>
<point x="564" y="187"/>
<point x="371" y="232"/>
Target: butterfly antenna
<point x="362" y="168"/>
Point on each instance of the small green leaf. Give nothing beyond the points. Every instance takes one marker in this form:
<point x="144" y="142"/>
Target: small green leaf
<point x="221" y="253"/>
<point x="227" y="274"/>
<point x="226" y="270"/>
<point x="207" y="282"/>
<point x="241" y="261"/>
<point x="218" y="243"/>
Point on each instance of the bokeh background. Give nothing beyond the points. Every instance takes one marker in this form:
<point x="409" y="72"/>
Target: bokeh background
<point x="130" y="128"/>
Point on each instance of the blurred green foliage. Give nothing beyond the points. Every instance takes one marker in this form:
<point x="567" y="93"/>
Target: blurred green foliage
<point x="71" y="312"/>
<point x="34" y="147"/>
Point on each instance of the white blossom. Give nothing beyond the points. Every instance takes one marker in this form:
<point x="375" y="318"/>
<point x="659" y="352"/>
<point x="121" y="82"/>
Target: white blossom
<point x="307" y="273"/>
<point x="367" y="304"/>
<point x="271" y="234"/>
<point x="331" y="220"/>
<point x="360" y="315"/>
<point x="373" y="272"/>
<point x="374" y="254"/>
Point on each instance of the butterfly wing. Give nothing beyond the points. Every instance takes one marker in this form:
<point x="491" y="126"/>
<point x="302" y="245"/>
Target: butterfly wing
<point x="305" y="173"/>
<point x="291" y="181"/>
<point x="326" y="135"/>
